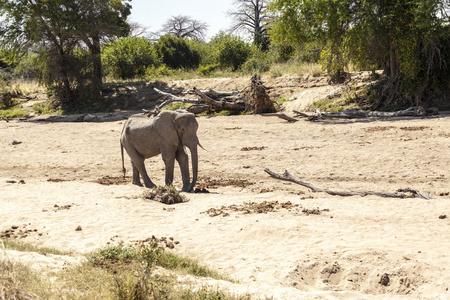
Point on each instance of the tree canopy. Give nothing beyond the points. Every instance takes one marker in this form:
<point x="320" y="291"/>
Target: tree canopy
<point x="407" y="38"/>
<point x="56" y="29"/>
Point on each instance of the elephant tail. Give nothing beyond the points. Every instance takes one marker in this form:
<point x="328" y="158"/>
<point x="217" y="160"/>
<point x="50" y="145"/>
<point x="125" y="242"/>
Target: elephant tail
<point x="124" y="171"/>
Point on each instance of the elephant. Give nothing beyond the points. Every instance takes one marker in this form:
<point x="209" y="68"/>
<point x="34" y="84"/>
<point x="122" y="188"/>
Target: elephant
<point x="168" y="134"/>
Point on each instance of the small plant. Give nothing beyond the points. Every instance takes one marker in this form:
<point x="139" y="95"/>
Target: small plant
<point x="119" y="252"/>
<point x="175" y="106"/>
<point x="206" y="69"/>
<point x="283" y="100"/>
<point x="46" y="108"/>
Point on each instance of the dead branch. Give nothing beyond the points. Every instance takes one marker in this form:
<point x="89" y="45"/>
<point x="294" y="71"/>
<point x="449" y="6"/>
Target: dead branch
<point x="401" y="193"/>
<point x="173" y="98"/>
<point x="281" y="116"/>
<point x="217" y="94"/>
<point x="418" y="111"/>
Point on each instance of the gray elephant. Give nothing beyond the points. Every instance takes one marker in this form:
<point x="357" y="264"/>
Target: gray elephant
<point x="167" y="134"/>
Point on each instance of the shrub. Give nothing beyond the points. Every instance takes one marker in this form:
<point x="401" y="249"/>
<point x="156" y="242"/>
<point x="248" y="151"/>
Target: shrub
<point x="27" y="67"/>
<point x="119" y="251"/>
<point x="129" y="57"/>
<point x="207" y="69"/>
<point x="162" y="70"/>
<point x="177" y="53"/>
<point x="259" y="62"/>
<point x="230" y="51"/>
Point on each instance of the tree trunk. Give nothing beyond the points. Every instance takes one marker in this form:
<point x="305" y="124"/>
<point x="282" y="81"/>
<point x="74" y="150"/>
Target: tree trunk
<point x="394" y="67"/>
<point x="97" y="59"/>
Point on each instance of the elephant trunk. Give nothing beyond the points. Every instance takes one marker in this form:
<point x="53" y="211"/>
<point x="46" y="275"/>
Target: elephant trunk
<point x="194" y="158"/>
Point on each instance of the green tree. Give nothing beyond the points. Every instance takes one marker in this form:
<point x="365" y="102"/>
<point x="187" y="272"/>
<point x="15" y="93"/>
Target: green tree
<point x="129" y="57"/>
<point x="229" y="51"/>
<point x="56" y="29"/>
<point x="404" y="37"/>
<point x="176" y="52"/>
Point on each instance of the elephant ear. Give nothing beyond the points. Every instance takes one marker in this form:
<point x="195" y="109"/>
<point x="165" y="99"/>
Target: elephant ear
<point x="166" y="128"/>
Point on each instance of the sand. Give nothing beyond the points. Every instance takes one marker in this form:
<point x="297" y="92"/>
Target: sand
<point x="61" y="186"/>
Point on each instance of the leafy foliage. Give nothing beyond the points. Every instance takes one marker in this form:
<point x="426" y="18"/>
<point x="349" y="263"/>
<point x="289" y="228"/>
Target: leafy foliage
<point x="229" y="51"/>
<point x="58" y="29"/>
<point x="129" y="57"/>
<point x="406" y="38"/>
<point x="177" y="53"/>
<point x="258" y="62"/>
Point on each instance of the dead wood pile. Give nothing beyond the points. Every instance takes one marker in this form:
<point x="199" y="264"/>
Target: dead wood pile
<point x="252" y="99"/>
<point x="256" y="98"/>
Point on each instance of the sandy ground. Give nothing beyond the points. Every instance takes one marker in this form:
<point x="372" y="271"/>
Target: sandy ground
<point x="56" y="177"/>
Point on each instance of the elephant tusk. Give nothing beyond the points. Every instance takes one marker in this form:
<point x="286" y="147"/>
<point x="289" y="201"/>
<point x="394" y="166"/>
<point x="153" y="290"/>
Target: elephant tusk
<point x="198" y="143"/>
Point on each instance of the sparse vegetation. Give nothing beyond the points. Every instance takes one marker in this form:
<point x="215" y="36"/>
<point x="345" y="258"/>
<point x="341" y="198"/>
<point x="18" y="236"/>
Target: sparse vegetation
<point x="13" y="112"/>
<point x="114" y="272"/>
<point x="13" y="244"/>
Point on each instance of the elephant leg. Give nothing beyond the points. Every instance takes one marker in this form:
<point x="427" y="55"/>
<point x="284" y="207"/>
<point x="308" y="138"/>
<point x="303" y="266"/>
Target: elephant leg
<point x="169" y="162"/>
<point x="137" y="161"/>
<point x="147" y="182"/>
<point x="183" y="162"/>
<point x="136" y="178"/>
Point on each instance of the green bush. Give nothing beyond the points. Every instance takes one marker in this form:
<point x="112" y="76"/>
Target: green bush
<point x="162" y="70"/>
<point x="229" y="51"/>
<point x="129" y="57"/>
<point x="207" y="69"/>
<point x="28" y="67"/>
<point x="259" y="62"/>
<point x="177" y="53"/>
<point x="119" y="251"/>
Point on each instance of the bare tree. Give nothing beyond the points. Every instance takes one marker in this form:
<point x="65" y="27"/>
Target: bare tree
<point x="138" y="30"/>
<point x="185" y="27"/>
<point x="250" y="16"/>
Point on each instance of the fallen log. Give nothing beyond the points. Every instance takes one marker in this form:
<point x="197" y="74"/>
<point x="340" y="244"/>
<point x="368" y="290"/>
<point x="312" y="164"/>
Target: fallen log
<point x="401" y="193"/>
<point x="223" y="105"/>
<point x="417" y="111"/>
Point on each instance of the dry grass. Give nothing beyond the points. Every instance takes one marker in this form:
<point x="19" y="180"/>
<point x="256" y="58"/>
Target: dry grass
<point x="115" y="272"/>
<point x="282" y="69"/>
<point x="27" y="88"/>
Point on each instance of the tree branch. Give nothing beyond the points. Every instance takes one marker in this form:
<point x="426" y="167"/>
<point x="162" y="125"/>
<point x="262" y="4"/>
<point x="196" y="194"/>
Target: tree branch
<point x="401" y="193"/>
